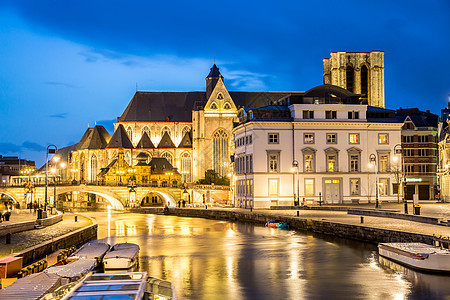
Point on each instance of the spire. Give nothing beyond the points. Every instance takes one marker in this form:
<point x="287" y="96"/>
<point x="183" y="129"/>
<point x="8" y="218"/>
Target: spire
<point x="212" y="79"/>
<point x="120" y="139"/>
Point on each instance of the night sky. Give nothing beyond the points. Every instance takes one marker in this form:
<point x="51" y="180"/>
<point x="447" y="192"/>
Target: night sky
<point x="65" y="65"/>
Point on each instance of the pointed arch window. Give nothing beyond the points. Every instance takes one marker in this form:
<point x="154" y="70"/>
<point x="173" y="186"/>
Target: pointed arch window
<point x="164" y="130"/>
<point x="364" y="80"/>
<point x="227" y="106"/>
<point x="128" y="158"/>
<point x="168" y="156"/>
<point x="220" y="152"/>
<point x="213" y="105"/>
<point x="186" y="163"/>
<point x="186" y="129"/>
<point x="350" y="76"/>
<point x="130" y="133"/>
<point x="147" y="130"/>
<point x="220" y="96"/>
<point x="93" y="168"/>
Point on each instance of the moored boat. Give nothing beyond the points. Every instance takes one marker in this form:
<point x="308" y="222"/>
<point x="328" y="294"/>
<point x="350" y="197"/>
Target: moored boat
<point x="417" y="255"/>
<point x="276" y="224"/>
<point x="121" y="256"/>
<point x="92" y="250"/>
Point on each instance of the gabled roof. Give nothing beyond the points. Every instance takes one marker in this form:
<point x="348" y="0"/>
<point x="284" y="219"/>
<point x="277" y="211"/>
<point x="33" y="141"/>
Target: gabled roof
<point x="145" y="142"/>
<point x="106" y="169"/>
<point x="120" y="139"/>
<point x="214" y="72"/>
<point x="186" y="142"/>
<point x="94" y="138"/>
<point x="166" y="142"/>
<point x="160" y="165"/>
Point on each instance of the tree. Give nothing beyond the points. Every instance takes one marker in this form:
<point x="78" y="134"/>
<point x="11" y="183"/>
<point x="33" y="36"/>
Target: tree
<point x="212" y="177"/>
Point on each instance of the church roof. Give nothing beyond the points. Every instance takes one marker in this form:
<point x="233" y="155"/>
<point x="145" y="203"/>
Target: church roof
<point x="166" y="142"/>
<point x="160" y="165"/>
<point x="214" y="72"/>
<point x="186" y="141"/>
<point x="145" y="142"/>
<point x="94" y="138"/>
<point x="178" y="106"/>
<point x="120" y="139"/>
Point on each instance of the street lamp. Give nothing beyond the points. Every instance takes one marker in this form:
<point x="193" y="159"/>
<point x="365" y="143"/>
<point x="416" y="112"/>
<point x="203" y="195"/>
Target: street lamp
<point x="373" y="158"/>
<point x="29" y="185"/>
<point x="398" y="150"/>
<point x="51" y="149"/>
<point x="295" y="167"/>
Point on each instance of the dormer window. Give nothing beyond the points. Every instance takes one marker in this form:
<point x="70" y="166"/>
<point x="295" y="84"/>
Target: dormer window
<point x="214" y="106"/>
<point x="227" y="106"/>
<point x="219" y="96"/>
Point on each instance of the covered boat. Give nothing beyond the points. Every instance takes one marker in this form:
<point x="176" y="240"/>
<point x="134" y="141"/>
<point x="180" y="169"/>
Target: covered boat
<point x="74" y="270"/>
<point x="92" y="250"/>
<point x="121" y="256"/>
<point x="417" y="255"/>
<point x="31" y="287"/>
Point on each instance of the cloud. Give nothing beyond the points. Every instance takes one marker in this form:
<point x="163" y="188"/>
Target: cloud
<point x="60" y="83"/>
<point x="7" y="148"/>
<point x="245" y="80"/>
<point x="59" y="116"/>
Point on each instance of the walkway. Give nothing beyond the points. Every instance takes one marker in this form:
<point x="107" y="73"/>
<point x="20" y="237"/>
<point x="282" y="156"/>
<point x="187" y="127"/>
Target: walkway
<point x="26" y="239"/>
<point x="20" y="215"/>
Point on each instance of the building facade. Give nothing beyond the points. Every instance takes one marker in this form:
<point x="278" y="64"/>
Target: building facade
<point x="317" y="148"/>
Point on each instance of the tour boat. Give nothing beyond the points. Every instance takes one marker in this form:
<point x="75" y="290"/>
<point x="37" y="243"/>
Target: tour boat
<point x="92" y="250"/>
<point x="417" y="255"/>
<point x="121" y="256"/>
<point x="276" y="224"/>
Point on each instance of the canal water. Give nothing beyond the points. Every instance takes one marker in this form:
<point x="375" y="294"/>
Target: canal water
<point x="210" y="259"/>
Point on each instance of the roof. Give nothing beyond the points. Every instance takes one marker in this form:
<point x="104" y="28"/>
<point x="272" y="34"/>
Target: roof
<point x="166" y="141"/>
<point x="178" y="106"/>
<point x="160" y="165"/>
<point x="120" y="139"/>
<point x="214" y="72"/>
<point x="94" y="138"/>
<point x="186" y="142"/>
<point x="145" y="142"/>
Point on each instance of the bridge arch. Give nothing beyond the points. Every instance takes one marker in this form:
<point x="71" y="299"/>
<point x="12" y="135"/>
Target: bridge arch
<point x="10" y="195"/>
<point x="169" y="200"/>
<point x="112" y="198"/>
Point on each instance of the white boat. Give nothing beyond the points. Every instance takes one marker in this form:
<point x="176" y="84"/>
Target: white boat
<point x="417" y="255"/>
<point x="121" y="256"/>
<point x="92" y="250"/>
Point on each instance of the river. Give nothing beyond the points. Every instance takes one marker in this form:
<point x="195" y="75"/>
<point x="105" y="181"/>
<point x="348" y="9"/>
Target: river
<point x="209" y="259"/>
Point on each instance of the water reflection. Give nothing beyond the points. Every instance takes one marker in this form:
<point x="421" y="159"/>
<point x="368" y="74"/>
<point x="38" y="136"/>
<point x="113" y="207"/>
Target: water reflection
<point x="208" y="259"/>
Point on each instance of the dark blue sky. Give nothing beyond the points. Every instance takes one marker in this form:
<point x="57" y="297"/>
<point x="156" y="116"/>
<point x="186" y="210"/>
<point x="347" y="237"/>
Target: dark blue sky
<point x="67" y="64"/>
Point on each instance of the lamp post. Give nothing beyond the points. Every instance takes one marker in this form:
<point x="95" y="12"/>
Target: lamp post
<point x="295" y="167"/>
<point x="373" y="158"/>
<point x="51" y="149"/>
<point x="29" y="185"/>
<point x="398" y="150"/>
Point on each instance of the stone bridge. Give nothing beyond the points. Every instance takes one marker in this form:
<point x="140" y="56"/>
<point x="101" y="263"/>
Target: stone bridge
<point x="118" y="196"/>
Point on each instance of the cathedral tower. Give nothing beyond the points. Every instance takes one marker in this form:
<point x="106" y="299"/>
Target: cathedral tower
<point x="212" y="79"/>
<point x="358" y="72"/>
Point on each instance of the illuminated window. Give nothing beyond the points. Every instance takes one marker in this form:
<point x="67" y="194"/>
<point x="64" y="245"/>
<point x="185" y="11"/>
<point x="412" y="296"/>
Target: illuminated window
<point x="309" y="187"/>
<point x="354" y="163"/>
<point x="220" y="152"/>
<point x="308" y="138"/>
<point x="384" y="163"/>
<point x="354" y="186"/>
<point x="273" y="187"/>
<point x="273" y="162"/>
<point x="383" y="184"/>
<point x="168" y="156"/>
<point x="130" y="133"/>
<point x="383" y="138"/>
<point x="331" y="163"/>
<point x="186" y="163"/>
<point x="354" y="138"/>
<point x="93" y="168"/>
<point x="309" y="163"/>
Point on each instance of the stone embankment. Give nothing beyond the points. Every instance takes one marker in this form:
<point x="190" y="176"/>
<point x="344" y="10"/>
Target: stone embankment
<point x="351" y="231"/>
<point x="29" y="225"/>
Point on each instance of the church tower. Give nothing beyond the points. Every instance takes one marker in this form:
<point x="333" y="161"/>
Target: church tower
<point x="358" y="72"/>
<point x="212" y="79"/>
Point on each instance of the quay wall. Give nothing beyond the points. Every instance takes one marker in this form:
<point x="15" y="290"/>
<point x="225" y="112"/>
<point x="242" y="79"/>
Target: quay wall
<point x="74" y="238"/>
<point x="355" y="232"/>
<point x="29" y="225"/>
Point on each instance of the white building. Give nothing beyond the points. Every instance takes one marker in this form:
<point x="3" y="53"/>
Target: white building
<point x="329" y="136"/>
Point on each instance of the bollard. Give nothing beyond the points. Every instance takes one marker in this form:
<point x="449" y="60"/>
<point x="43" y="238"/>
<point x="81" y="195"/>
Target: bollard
<point x="362" y="220"/>
<point x="76" y="218"/>
<point x="251" y="209"/>
<point x="298" y="213"/>
<point x="8" y="238"/>
<point x="206" y="206"/>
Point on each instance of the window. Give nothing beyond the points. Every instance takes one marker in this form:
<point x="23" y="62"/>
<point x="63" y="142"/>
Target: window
<point x="309" y="187"/>
<point x="308" y="114"/>
<point x="247" y="164"/>
<point x="250" y="139"/>
<point x="93" y="168"/>
<point x="331" y="163"/>
<point x="383" y="138"/>
<point x="308" y="138"/>
<point x="331" y="138"/>
<point x="330" y="114"/>
<point x="409" y="168"/>
<point x="164" y="130"/>
<point x="213" y="106"/>
<point x="219" y="96"/>
<point x="354" y="186"/>
<point x="186" y="163"/>
<point x="423" y="169"/>
<point x="273" y="138"/>
<point x="273" y="187"/>
<point x="383" y="163"/>
<point x="273" y="162"/>
<point x="130" y="133"/>
<point x="383" y="184"/>
<point x="364" y="80"/>
<point x="220" y="152"/>
<point x="353" y="138"/>
<point x="409" y="152"/>
<point x="309" y="160"/>
<point x="408" y="139"/>
<point x="146" y="130"/>
<point x="350" y="75"/>
<point x="227" y="106"/>
<point x="423" y="138"/>
<point x="186" y="129"/>
<point x="308" y="163"/>
<point x="168" y="156"/>
<point x="246" y="140"/>
<point x="423" y="152"/>
<point x="353" y="115"/>
<point x="354" y="163"/>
